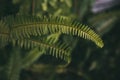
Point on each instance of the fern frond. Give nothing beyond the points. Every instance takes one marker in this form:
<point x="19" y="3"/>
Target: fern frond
<point x="62" y="51"/>
<point x="58" y="50"/>
<point x="23" y="27"/>
<point x="4" y="34"/>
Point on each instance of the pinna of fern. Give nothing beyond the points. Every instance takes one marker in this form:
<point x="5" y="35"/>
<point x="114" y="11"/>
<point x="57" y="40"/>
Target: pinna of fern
<point x="26" y="31"/>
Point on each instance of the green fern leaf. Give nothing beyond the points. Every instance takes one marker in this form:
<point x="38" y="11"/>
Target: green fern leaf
<point x="59" y="50"/>
<point x="28" y="31"/>
<point x="26" y="26"/>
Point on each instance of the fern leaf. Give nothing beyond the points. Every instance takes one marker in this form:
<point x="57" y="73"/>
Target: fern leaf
<point x="25" y="26"/>
<point x="58" y="50"/>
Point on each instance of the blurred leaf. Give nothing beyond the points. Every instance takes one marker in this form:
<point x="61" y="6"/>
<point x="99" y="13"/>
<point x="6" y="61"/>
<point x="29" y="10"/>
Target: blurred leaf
<point x="31" y="57"/>
<point x="14" y="65"/>
<point x="15" y="1"/>
<point x="105" y="15"/>
<point x="53" y="38"/>
<point x="84" y="8"/>
<point x="106" y="26"/>
<point x="68" y="2"/>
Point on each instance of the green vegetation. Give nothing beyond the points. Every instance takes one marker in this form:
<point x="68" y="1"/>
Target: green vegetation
<point x="42" y="37"/>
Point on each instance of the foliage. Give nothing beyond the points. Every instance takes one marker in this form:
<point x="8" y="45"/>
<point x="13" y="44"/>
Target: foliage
<point x="22" y="29"/>
<point x="29" y="34"/>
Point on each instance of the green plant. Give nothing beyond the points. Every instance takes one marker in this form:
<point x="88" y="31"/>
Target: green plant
<point x="43" y="35"/>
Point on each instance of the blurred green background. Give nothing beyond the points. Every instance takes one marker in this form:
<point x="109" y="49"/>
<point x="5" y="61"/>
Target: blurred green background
<point x="88" y="61"/>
